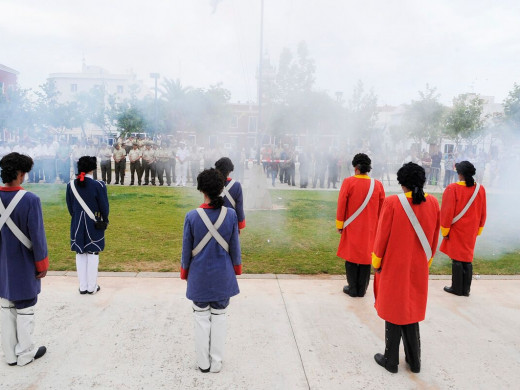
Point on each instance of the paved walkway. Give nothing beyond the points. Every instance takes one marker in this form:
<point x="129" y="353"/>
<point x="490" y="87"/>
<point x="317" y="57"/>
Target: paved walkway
<point x="284" y="332"/>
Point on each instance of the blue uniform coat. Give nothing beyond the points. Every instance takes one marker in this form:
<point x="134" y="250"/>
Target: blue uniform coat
<point x="84" y="237"/>
<point x="211" y="273"/>
<point x="236" y="193"/>
<point x="19" y="265"/>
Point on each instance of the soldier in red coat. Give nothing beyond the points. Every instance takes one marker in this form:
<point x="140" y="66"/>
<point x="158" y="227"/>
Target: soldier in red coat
<point x="359" y="203"/>
<point x="463" y="215"/>
<point x="405" y="243"/>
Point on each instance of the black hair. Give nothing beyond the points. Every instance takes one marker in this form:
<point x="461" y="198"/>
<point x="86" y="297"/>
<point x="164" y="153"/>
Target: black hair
<point x="13" y="163"/>
<point x="362" y="162"/>
<point x="413" y="177"/>
<point x="85" y="165"/>
<point x="211" y="183"/>
<point x="224" y="165"/>
<point x="466" y="169"/>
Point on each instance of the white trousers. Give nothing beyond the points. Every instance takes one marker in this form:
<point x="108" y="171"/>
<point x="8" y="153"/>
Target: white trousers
<point x="210" y="337"/>
<point x="17" y="333"/>
<point x="183" y="173"/>
<point x="87" y="268"/>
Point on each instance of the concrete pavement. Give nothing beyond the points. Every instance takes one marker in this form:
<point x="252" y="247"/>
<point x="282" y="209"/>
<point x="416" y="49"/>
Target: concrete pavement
<point x="284" y="332"/>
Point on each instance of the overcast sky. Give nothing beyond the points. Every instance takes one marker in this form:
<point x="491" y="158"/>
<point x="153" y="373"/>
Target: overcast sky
<point x="394" y="47"/>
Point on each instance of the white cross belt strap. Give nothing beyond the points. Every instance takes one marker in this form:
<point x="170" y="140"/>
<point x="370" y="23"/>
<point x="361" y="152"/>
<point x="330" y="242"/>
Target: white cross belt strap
<point x="81" y="201"/>
<point x="363" y="205"/>
<point x="212" y="231"/>
<point x="5" y="218"/>
<point x="470" y="201"/>
<point x="228" y="195"/>
<point x="416" y="225"/>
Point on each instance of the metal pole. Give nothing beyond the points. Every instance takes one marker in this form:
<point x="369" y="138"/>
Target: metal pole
<point x="260" y="65"/>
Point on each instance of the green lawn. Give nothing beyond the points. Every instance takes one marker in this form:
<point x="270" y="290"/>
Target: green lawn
<point x="145" y="233"/>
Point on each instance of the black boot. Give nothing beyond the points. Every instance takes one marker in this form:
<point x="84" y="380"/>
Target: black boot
<point x="456" y="278"/>
<point x="351" y="271"/>
<point x="412" y="346"/>
<point x="363" y="279"/>
<point x="466" y="279"/>
<point x="390" y="360"/>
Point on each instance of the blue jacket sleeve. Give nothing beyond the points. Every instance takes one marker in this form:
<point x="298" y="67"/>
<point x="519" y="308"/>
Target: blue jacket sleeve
<point x="37" y="234"/>
<point x="103" y="202"/>
<point x="187" y="244"/>
<point x="234" y="245"/>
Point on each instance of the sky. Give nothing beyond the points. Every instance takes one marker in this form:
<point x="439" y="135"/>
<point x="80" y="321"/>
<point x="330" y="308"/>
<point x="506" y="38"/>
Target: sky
<point x="394" y="47"/>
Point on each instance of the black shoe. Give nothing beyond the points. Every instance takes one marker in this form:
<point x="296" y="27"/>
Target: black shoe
<point x="97" y="289"/>
<point x="40" y="352"/>
<point x="12" y="364"/>
<point x="347" y="290"/>
<point x="131" y="184"/>
<point x="83" y="292"/>
<point x="451" y="291"/>
<point x="466" y="294"/>
<point x="415" y="370"/>
<point x="204" y="371"/>
<point x="381" y="360"/>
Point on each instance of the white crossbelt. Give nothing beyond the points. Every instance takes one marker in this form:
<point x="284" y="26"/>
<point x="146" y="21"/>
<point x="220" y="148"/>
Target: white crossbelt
<point x="212" y="231"/>
<point x="470" y="201"/>
<point x="416" y="225"/>
<point x="81" y="201"/>
<point x="363" y="205"/>
<point x="228" y="195"/>
<point x="6" y="219"/>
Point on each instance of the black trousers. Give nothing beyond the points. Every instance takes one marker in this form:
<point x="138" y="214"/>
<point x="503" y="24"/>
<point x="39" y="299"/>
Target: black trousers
<point x="119" y="170"/>
<point x="149" y="170"/>
<point x="411" y="342"/>
<point x="461" y="275"/>
<point x="135" y="168"/>
<point x="358" y="278"/>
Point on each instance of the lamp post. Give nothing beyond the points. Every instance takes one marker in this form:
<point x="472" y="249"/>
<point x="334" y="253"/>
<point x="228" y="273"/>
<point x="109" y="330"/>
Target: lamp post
<point x="260" y="66"/>
<point x="155" y="76"/>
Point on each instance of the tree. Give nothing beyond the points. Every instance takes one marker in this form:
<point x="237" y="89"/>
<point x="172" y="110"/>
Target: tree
<point x="130" y="120"/>
<point x="424" y="117"/>
<point x="464" y="118"/>
<point x="17" y="112"/>
<point x="512" y="108"/>
<point x="362" y="115"/>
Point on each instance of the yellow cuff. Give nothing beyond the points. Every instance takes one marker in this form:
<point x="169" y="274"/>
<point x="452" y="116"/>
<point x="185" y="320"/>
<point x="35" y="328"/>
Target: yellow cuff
<point x="430" y="262"/>
<point x="480" y="230"/>
<point x="376" y="261"/>
<point x="339" y="224"/>
<point x="444" y="231"/>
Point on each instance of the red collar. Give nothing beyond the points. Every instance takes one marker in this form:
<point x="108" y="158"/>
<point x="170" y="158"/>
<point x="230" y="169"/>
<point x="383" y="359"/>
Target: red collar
<point x="229" y="179"/>
<point x="9" y="189"/>
<point x="206" y="206"/>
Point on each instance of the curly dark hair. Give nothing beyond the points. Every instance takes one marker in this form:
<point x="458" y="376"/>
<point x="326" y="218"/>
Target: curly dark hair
<point x="413" y="177"/>
<point x="211" y="183"/>
<point x="13" y="163"/>
<point x="466" y="169"/>
<point x="225" y="166"/>
<point x="85" y="165"/>
<point x="362" y="162"/>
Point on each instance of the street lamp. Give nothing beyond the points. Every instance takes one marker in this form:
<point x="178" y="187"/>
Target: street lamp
<point x="155" y="76"/>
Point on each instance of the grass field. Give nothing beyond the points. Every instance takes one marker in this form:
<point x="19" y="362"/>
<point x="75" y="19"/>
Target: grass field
<point x="145" y="233"/>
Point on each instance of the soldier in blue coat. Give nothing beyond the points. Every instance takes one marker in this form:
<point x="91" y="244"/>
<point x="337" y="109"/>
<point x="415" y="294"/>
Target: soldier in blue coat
<point x="232" y="190"/>
<point x="210" y="260"/>
<point x="87" y="201"/>
<point x="23" y="260"/>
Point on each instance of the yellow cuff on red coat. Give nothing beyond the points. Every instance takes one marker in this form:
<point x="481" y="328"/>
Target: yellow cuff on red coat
<point x="480" y="230"/>
<point x="445" y="231"/>
<point x="42" y="265"/>
<point x="339" y="224"/>
<point x="376" y="261"/>
<point x="430" y="262"/>
<point x="242" y="224"/>
<point x="184" y="273"/>
<point x="238" y="269"/>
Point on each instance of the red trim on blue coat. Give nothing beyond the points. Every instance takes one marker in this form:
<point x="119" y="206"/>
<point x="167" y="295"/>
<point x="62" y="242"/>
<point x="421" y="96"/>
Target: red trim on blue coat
<point x="184" y="274"/>
<point x="42" y="265"/>
<point x="206" y="206"/>
<point x="8" y="189"/>
<point x="242" y="224"/>
<point x="238" y="269"/>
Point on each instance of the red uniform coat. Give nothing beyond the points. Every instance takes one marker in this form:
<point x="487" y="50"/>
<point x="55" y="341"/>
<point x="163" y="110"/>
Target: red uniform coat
<point x="459" y="239"/>
<point x="357" y="239"/>
<point x="401" y="288"/>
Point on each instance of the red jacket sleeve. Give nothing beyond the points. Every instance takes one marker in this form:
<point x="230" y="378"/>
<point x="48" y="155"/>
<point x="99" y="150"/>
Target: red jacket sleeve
<point x="447" y="210"/>
<point x="383" y="233"/>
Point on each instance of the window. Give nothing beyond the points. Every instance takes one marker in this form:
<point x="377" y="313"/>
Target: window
<point x="234" y="121"/>
<point x="252" y="124"/>
<point x="120" y="89"/>
<point x="74" y="88"/>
